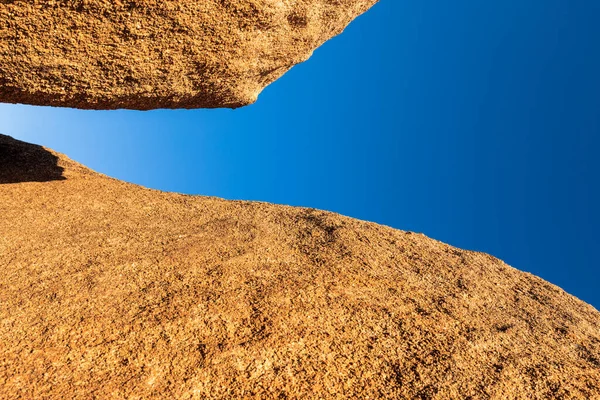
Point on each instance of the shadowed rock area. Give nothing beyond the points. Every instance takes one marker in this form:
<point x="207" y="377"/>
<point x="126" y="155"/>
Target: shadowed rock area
<point x="111" y="290"/>
<point x="147" y="54"/>
<point x="23" y="162"/>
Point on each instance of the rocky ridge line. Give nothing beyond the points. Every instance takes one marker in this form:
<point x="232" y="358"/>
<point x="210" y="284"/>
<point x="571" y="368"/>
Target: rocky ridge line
<point x="111" y="290"/>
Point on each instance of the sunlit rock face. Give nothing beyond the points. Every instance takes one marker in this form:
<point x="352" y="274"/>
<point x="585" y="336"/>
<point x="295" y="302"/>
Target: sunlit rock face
<point x="111" y="290"/>
<point x="145" y="54"/>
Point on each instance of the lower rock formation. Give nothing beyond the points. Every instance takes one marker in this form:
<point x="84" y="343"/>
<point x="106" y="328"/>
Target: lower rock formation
<point x="111" y="290"/>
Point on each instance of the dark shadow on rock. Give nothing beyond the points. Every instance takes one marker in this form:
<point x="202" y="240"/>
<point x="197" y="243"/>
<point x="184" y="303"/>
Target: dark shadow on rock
<point x="24" y="162"/>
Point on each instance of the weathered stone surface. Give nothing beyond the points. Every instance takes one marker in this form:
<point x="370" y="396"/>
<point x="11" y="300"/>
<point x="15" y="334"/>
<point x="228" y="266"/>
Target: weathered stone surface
<point x="145" y="54"/>
<point x="110" y="290"/>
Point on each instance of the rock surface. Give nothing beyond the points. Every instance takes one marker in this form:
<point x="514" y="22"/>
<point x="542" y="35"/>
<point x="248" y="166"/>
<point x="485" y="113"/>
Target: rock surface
<point x="111" y="290"/>
<point x="146" y="54"/>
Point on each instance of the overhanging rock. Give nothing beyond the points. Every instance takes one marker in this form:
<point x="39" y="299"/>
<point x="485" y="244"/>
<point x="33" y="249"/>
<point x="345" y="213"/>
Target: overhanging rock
<point x="147" y="54"/>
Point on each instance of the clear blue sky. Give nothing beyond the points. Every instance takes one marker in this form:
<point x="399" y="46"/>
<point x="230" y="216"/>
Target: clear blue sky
<point x="476" y="123"/>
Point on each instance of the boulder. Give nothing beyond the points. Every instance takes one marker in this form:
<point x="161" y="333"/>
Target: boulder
<point x="147" y="54"/>
<point x="111" y="290"/>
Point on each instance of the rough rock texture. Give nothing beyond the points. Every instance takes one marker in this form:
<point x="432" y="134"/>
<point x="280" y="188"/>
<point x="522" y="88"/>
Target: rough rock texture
<point x="145" y="54"/>
<point x="111" y="290"/>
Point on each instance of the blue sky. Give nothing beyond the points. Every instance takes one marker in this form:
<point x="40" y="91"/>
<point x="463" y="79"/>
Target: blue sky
<point x="476" y="123"/>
